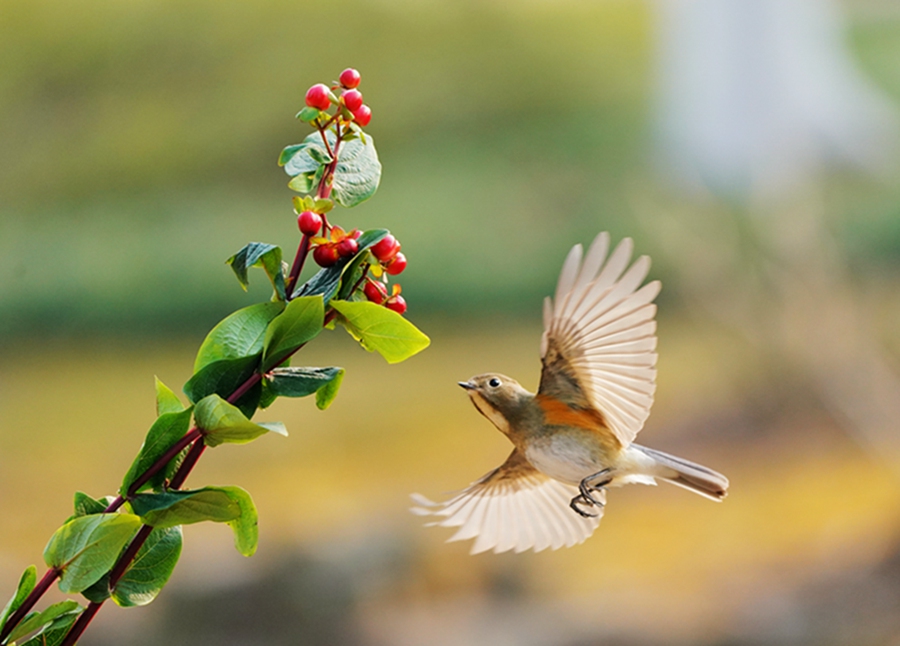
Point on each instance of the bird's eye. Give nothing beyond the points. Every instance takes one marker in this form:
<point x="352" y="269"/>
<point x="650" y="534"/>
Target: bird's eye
<point x="494" y="383"/>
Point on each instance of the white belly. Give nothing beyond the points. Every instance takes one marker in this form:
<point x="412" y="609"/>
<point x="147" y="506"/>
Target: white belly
<point x="567" y="459"/>
<point x="564" y="458"/>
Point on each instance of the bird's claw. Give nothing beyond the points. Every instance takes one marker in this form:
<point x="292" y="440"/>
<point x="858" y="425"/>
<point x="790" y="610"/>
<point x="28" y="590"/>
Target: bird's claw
<point x="581" y="499"/>
<point x="594" y="482"/>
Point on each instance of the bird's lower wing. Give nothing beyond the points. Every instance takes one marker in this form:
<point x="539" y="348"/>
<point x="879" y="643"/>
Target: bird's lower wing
<point x="514" y="507"/>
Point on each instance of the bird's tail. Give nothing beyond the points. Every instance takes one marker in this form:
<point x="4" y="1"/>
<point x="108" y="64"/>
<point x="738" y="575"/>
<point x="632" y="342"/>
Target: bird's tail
<point x="693" y="477"/>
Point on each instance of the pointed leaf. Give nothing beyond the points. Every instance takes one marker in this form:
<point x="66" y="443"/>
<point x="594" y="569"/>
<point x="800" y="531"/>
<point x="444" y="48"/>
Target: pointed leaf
<point x="165" y="432"/>
<point x="230" y="505"/>
<point x="151" y="568"/>
<point x="301" y="321"/>
<point x="42" y="619"/>
<point x="166" y="400"/>
<point x="86" y="505"/>
<point x="300" y="382"/>
<point x="223" y="423"/>
<point x="26" y="584"/>
<point x="259" y="254"/>
<point x="381" y="330"/>
<point x="238" y="335"/>
<point x="55" y="633"/>
<point x="85" y="548"/>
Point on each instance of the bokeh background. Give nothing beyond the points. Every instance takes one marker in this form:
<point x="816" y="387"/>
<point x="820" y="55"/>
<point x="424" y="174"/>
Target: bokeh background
<point x="749" y="146"/>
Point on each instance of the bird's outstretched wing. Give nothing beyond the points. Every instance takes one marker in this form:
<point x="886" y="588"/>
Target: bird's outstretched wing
<point x="599" y="342"/>
<point x="514" y="507"/>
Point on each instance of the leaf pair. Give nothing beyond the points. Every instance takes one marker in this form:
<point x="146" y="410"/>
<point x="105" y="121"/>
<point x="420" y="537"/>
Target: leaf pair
<point x="356" y="175"/>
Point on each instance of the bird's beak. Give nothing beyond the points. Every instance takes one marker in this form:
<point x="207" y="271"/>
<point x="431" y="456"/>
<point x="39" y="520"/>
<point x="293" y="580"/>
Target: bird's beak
<point x="468" y="385"/>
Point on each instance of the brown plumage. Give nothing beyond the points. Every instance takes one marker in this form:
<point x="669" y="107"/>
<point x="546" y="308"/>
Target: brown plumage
<point x="574" y="438"/>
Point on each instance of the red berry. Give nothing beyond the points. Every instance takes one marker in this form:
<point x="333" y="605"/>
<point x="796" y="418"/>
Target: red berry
<point x="325" y="255"/>
<point x="396" y="303"/>
<point x="352" y="99"/>
<point x="317" y="97"/>
<point x="386" y="248"/>
<point x="362" y="115"/>
<point x="309" y="223"/>
<point x="347" y="247"/>
<point x="375" y="291"/>
<point x="396" y="265"/>
<point x="349" y="78"/>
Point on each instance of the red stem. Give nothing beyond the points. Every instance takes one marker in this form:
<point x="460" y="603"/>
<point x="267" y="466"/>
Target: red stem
<point x="81" y="623"/>
<point x="46" y="581"/>
<point x="167" y="457"/>
<point x="299" y="259"/>
<point x="121" y="566"/>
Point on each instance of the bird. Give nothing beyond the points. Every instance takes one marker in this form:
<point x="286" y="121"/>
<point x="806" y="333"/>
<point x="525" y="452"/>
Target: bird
<point x="574" y="438"/>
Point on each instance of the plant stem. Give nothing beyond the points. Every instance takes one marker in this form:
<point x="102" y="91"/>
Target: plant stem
<point x="46" y="581"/>
<point x="299" y="259"/>
<point x="121" y="566"/>
<point x="167" y="457"/>
<point x="81" y="623"/>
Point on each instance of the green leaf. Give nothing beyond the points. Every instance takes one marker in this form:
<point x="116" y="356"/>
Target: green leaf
<point x="230" y="505"/>
<point x="323" y="205"/>
<point x="326" y="394"/>
<point x="381" y="330"/>
<point x="165" y="432"/>
<point x="55" y="633"/>
<point x="358" y="170"/>
<point x="86" y="505"/>
<point x="319" y="155"/>
<point x="26" y="584"/>
<point x="303" y="183"/>
<point x="301" y="321"/>
<point x="99" y="591"/>
<point x="166" y="400"/>
<point x="290" y="151"/>
<point x="238" y="335"/>
<point x="42" y="619"/>
<point x="306" y="114"/>
<point x="85" y="548"/>
<point x="223" y="423"/>
<point x="222" y="378"/>
<point x="259" y="254"/>
<point x="151" y="568"/>
<point x="343" y="272"/>
<point x="300" y="382"/>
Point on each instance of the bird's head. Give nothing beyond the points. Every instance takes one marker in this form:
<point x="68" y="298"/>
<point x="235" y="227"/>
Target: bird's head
<point x="497" y="397"/>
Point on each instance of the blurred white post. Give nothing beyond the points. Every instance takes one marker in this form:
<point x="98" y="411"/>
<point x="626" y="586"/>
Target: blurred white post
<point x="757" y="98"/>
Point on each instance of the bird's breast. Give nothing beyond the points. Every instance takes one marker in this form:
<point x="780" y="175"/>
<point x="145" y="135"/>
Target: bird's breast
<point x="568" y="456"/>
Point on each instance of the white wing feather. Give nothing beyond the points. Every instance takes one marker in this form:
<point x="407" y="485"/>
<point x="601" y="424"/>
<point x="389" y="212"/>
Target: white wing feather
<point x="603" y="323"/>
<point x="530" y="512"/>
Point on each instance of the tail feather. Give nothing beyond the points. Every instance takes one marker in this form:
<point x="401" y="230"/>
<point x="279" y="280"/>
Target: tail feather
<point x="693" y="477"/>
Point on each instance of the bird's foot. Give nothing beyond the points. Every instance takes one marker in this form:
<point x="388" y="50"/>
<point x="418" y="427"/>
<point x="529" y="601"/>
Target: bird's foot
<point x="595" y="482"/>
<point x="587" y="487"/>
<point x="580" y="499"/>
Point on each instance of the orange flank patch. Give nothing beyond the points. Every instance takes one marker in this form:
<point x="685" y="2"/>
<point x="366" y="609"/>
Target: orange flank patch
<point x="559" y="413"/>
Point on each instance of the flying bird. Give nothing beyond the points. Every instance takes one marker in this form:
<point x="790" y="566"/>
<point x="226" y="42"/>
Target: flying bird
<point x="574" y="438"/>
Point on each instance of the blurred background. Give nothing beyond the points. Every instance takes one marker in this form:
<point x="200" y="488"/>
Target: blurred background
<point x="749" y="146"/>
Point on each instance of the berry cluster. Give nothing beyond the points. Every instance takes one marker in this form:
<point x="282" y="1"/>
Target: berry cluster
<point x="329" y="243"/>
<point x="350" y="100"/>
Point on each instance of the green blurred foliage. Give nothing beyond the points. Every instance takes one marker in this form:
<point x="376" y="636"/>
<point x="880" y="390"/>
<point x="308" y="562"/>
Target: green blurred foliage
<point x="140" y="142"/>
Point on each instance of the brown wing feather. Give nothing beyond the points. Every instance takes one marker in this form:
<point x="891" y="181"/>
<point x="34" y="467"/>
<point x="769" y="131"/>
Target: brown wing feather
<point x="599" y="337"/>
